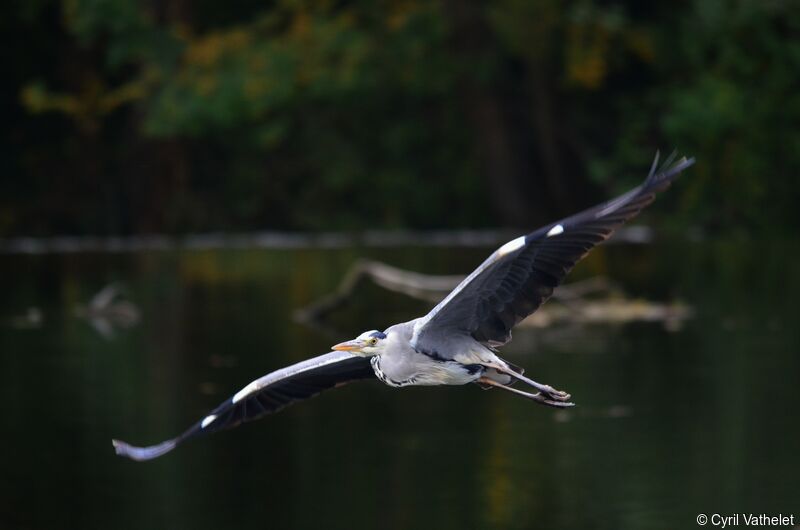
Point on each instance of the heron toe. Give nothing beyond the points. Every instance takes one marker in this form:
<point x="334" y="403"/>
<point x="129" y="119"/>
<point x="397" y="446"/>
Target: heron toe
<point x="558" y="404"/>
<point x="556" y="395"/>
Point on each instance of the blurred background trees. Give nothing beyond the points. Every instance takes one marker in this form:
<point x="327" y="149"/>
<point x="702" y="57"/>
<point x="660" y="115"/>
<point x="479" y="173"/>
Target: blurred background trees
<point x="130" y="116"/>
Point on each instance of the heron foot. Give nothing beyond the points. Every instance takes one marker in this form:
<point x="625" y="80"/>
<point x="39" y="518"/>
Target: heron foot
<point x="548" y="391"/>
<point x="555" y="395"/>
<point x="539" y="397"/>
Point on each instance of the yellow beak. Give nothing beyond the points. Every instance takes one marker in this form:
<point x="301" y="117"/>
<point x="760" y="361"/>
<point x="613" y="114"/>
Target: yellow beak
<point x="350" y="345"/>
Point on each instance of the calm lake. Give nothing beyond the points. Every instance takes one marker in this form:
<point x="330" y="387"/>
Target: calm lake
<point x="671" y="422"/>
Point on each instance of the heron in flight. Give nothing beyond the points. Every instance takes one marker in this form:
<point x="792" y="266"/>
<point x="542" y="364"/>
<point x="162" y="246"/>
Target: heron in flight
<point x="456" y="343"/>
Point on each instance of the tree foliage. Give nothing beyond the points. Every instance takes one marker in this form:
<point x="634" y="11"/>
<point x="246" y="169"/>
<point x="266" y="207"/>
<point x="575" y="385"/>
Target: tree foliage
<point x="177" y="116"/>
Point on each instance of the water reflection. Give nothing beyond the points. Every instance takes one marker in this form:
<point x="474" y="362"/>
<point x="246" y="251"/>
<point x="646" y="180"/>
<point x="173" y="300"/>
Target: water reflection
<point x="668" y="424"/>
<point x="108" y="310"/>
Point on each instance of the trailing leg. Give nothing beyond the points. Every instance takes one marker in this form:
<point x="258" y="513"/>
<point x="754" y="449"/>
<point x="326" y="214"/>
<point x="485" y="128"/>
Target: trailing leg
<point x="552" y="393"/>
<point x="538" y="397"/>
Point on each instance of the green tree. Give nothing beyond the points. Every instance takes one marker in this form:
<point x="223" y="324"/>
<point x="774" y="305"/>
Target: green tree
<point x="177" y="116"/>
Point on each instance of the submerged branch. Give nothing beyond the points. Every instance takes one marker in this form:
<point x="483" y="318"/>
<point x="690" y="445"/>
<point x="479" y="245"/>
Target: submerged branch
<point x="595" y="300"/>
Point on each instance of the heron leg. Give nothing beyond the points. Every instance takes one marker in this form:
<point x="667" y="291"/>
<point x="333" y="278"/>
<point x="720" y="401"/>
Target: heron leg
<point x="551" y="392"/>
<point x="537" y="397"/>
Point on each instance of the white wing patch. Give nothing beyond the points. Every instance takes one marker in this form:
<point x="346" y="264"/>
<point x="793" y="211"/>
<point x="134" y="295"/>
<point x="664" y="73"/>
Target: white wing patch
<point x="208" y="420"/>
<point x="246" y="391"/>
<point x="511" y="246"/>
<point x="558" y="229"/>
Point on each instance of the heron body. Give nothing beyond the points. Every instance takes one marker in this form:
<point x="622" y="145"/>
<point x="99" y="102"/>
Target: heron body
<point x="456" y="342"/>
<point x="400" y="364"/>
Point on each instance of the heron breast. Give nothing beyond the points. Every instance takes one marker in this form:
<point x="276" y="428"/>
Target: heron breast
<point x="383" y="377"/>
<point x="428" y="372"/>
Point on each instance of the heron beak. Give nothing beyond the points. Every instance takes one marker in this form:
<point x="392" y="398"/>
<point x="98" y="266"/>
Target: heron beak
<point x="350" y="345"/>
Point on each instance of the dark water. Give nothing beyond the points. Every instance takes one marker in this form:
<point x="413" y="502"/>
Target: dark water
<point x="669" y="423"/>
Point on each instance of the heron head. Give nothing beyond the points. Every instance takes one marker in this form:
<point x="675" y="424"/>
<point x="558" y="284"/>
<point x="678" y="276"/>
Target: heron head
<point x="368" y="343"/>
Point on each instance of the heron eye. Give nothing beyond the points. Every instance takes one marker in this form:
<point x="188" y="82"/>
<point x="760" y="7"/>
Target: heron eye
<point x="373" y="341"/>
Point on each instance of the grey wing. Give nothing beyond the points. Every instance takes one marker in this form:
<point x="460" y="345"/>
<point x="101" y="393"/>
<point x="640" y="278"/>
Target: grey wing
<point x="521" y="275"/>
<point x="265" y="395"/>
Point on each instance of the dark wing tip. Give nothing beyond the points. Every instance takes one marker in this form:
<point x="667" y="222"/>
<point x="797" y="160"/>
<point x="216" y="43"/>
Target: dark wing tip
<point x="658" y="180"/>
<point x="141" y="454"/>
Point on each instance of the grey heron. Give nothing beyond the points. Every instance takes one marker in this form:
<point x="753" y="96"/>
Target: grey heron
<point x="457" y="341"/>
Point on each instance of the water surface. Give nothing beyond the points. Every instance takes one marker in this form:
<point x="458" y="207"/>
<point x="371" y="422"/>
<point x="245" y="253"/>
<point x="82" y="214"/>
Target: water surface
<point x="670" y="423"/>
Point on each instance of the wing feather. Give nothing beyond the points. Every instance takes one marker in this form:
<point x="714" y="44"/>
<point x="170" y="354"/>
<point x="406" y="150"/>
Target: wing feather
<point x="265" y="395"/>
<point x="521" y="275"/>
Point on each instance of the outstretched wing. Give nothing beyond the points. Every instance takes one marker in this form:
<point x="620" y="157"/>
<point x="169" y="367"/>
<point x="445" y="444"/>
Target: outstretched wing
<point x="264" y="396"/>
<point x="521" y="275"/>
